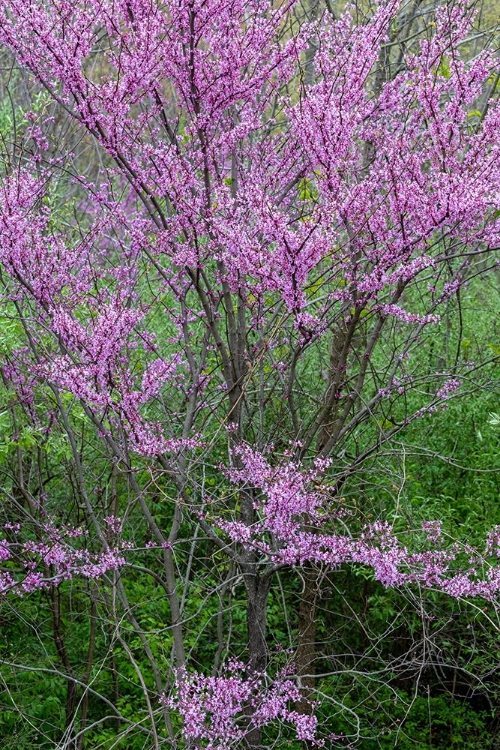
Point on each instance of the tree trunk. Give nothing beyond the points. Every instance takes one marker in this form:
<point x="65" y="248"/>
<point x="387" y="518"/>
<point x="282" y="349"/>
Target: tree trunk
<point x="257" y="589"/>
<point x="71" y="697"/>
<point x="305" y="656"/>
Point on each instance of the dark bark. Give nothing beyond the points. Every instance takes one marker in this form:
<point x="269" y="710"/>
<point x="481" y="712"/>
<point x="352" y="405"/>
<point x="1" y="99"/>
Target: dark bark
<point x="57" y="629"/>
<point x="257" y="589"/>
<point x="88" y="671"/>
<point x="305" y="655"/>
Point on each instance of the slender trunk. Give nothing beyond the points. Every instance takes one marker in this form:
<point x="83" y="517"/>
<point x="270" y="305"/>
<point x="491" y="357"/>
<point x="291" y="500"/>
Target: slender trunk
<point x="64" y="659"/>
<point x="257" y="592"/>
<point x="88" y="671"/>
<point x="305" y="656"/>
<point x="257" y="589"/>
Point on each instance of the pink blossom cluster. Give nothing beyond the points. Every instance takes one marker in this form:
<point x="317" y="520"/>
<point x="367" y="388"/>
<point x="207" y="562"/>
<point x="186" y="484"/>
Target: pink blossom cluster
<point x="448" y="389"/>
<point x="290" y="529"/>
<point x="96" y="337"/>
<point x="34" y="564"/>
<point x="213" y="708"/>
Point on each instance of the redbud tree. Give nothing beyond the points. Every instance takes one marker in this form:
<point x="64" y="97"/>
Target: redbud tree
<point x="228" y="229"/>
